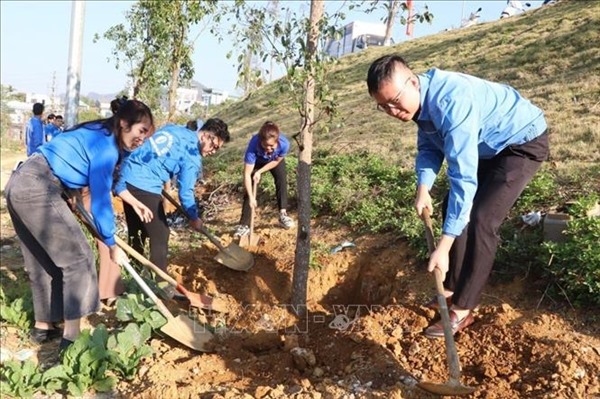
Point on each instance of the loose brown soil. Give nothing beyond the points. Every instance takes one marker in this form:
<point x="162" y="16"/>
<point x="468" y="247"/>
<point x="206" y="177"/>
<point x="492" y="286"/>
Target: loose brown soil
<point x="362" y="337"/>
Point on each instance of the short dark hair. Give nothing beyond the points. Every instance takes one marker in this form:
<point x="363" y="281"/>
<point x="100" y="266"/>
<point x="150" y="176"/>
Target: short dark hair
<point x="51" y="116"/>
<point x="218" y="127"/>
<point x="381" y="70"/>
<point x="192" y="125"/>
<point x="38" y="108"/>
<point x="59" y="116"/>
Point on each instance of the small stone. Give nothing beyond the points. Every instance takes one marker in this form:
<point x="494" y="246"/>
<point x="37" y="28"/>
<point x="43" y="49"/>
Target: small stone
<point x="397" y="333"/>
<point x="318" y="372"/>
<point x="261" y="391"/>
<point x="414" y="349"/>
<point x="506" y="307"/>
<point x="513" y="378"/>
<point x="579" y="374"/>
<point x="305" y="382"/>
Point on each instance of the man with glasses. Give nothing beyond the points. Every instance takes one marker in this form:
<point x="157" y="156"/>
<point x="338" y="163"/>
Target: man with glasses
<point x="171" y="152"/>
<point x="493" y="141"/>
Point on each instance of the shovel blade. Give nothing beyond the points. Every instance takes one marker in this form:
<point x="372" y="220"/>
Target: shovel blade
<point x="249" y="240"/>
<point x="235" y="257"/>
<point x="189" y="333"/>
<point x="448" y="389"/>
<point x="203" y="301"/>
<point x="244" y="241"/>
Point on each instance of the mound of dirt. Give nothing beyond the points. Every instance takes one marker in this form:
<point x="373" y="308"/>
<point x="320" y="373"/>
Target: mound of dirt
<point x="362" y="336"/>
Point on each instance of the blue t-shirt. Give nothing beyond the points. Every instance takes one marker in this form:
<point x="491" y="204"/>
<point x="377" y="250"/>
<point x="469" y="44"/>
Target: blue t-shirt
<point x="172" y="151"/>
<point x="51" y="131"/>
<point x="255" y="151"/>
<point x="34" y="134"/>
<point x="464" y="119"/>
<point x="87" y="157"/>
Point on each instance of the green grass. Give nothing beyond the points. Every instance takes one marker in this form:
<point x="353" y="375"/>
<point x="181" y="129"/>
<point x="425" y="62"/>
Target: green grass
<point x="363" y="162"/>
<point x="550" y="55"/>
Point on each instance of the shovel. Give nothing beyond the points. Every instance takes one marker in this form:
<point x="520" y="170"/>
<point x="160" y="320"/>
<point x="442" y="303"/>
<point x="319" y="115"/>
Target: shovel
<point x="251" y="239"/>
<point x="180" y="328"/>
<point x="234" y="257"/>
<point x="453" y="385"/>
<point x="196" y="300"/>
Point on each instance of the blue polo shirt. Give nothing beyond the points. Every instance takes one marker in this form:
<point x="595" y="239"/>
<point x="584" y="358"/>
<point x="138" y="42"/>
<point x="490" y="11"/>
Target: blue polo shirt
<point x="463" y="119"/>
<point x="172" y="151"/>
<point x="255" y="152"/>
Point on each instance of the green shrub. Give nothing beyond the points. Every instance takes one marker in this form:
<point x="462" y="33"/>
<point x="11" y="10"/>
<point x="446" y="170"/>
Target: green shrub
<point x="575" y="264"/>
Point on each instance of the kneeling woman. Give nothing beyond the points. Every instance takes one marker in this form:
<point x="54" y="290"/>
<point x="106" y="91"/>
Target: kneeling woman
<point x="58" y="258"/>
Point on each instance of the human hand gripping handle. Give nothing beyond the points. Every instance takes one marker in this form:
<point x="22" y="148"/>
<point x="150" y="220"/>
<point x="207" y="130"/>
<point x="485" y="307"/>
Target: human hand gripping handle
<point x="438" y="257"/>
<point x="423" y="200"/>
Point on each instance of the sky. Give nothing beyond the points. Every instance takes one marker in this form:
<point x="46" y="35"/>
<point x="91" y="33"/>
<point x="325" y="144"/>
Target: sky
<point x="34" y="42"/>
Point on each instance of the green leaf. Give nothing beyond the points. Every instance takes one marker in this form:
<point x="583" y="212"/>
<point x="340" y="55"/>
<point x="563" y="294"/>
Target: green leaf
<point x="105" y="384"/>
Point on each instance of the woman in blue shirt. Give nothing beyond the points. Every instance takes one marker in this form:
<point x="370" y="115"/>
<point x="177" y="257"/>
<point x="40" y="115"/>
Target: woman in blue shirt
<point x="266" y="152"/>
<point x="58" y="258"/>
<point x="493" y="141"/>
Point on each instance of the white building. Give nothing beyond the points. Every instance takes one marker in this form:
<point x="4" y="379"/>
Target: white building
<point x="356" y="36"/>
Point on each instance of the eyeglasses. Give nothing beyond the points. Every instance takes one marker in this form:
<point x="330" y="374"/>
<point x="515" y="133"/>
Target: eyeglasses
<point x="387" y="108"/>
<point x="214" y="142"/>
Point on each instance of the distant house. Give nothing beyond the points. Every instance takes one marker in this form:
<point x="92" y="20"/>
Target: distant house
<point x="197" y="93"/>
<point x="356" y="36"/>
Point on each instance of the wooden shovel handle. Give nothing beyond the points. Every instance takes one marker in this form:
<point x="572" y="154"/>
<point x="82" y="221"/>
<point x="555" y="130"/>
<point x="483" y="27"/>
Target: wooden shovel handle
<point x="87" y="219"/>
<point x="451" y="353"/>
<point x="203" y="229"/>
<point x="254" y="189"/>
<point x="140" y="258"/>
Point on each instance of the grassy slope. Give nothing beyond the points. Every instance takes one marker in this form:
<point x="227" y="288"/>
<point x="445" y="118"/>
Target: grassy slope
<point x="551" y="55"/>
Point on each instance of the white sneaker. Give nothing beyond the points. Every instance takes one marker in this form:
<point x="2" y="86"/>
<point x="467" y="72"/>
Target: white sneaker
<point x="285" y="221"/>
<point x="242" y="230"/>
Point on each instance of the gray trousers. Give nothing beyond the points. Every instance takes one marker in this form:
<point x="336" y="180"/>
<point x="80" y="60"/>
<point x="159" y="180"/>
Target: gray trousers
<point x="58" y="258"/>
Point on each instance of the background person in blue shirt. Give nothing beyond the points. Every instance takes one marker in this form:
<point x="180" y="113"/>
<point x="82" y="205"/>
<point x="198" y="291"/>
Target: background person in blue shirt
<point x="34" y="131"/>
<point x="58" y="259"/>
<point x="50" y="128"/>
<point x="172" y="151"/>
<point x="266" y="152"/>
<point x="493" y="141"/>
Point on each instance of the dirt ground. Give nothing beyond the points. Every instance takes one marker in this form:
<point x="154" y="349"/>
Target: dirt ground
<point x="362" y="337"/>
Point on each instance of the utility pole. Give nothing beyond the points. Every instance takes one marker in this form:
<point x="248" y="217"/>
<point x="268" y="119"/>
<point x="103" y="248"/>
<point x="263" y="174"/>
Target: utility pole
<point x="53" y="92"/>
<point x="74" y="68"/>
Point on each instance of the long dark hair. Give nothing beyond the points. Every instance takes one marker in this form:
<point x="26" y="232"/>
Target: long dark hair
<point x="130" y="111"/>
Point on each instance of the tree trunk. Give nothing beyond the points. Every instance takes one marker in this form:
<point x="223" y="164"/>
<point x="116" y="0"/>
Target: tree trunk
<point x="302" y="258"/>
<point x="173" y="91"/>
<point x="393" y="9"/>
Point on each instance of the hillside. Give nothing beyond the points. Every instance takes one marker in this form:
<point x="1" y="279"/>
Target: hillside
<point x="551" y="55"/>
<point x="363" y="335"/>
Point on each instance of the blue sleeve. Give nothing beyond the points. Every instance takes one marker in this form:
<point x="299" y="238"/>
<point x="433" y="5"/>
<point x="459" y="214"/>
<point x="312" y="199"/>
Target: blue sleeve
<point x="285" y="146"/>
<point x="102" y="164"/>
<point x="460" y="127"/>
<point x="250" y="156"/>
<point x="429" y="159"/>
<point x="121" y="184"/>
<point x="187" y="181"/>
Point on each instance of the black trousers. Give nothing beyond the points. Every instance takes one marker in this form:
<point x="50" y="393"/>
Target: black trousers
<point x="280" y="176"/>
<point x="157" y="230"/>
<point x="501" y="180"/>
